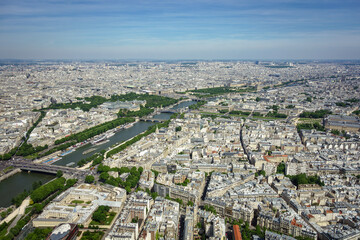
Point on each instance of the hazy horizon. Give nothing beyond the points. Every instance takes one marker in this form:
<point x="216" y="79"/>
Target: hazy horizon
<point x="177" y="60"/>
<point x="201" y="29"/>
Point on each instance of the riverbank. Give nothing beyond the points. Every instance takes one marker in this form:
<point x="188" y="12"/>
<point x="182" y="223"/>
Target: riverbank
<point x="86" y="166"/>
<point x="17" y="212"/>
<point x="119" y="136"/>
<point x="121" y="143"/>
<point x="16" y="182"/>
<point x="9" y="174"/>
<point x="59" y="155"/>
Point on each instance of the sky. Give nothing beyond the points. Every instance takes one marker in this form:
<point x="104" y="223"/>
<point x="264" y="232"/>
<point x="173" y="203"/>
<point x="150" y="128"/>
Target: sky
<point x="180" y="29"/>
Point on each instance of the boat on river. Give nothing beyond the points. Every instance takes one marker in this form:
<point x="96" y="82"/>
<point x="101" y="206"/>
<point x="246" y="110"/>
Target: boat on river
<point x="89" y="151"/>
<point x="52" y="160"/>
<point x="67" y="152"/>
<point x="102" y="142"/>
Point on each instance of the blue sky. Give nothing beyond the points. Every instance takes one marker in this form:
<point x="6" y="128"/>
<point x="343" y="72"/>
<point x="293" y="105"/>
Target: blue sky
<point x="180" y="29"/>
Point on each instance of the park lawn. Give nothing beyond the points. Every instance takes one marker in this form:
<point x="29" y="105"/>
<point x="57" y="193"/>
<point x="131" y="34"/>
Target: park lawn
<point x="310" y="120"/>
<point x="211" y="113"/>
<point x="32" y="156"/>
<point x="109" y="218"/>
<point x="77" y="201"/>
<point x="97" y="235"/>
<point x="238" y="115"/>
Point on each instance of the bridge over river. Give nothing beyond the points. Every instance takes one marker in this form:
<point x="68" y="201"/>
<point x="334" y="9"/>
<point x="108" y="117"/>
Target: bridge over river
<point x="45" y="168"/>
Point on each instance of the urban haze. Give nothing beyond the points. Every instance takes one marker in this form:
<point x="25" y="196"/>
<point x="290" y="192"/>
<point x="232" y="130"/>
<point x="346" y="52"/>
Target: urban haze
<point x="183" y="120"/>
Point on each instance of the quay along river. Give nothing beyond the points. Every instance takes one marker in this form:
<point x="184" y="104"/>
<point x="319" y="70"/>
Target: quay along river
<point x="16" y="184"/>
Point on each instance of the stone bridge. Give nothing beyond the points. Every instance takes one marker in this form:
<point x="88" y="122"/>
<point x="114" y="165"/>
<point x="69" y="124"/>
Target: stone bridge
<point x="152" y="120"/>
<point x="45" y="168"/>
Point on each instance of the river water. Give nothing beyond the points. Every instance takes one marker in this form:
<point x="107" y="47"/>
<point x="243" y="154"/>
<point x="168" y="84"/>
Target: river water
<point x="16" y="184"/>
<point x="120" y="136"/>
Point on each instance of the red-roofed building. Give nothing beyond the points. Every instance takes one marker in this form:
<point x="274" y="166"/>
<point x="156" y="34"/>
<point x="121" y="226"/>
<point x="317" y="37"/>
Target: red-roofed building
<point x="276" y="158"/>
<point x="236" y="232"/>
<point x="294" y="223"/>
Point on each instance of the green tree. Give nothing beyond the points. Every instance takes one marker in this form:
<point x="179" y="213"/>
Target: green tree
<point x="261" y="172"/>
<point x="36" y="185"/>
<point x="258" y="230"/>
<point x="38" y="207"/>
<point x="303" y="179"/>
<point x="44" y="191"/>
<point x="39" y="234"/>
<point x="157" y="235"/>
<point x="100" y="214"/>
<point x="316" y="114"/>
<point x="281" y="168"/>
<point x="89" y="179"/>
<point x="133" y="170"/>
<point x="87" y="235"/>
<point x="6" y="156"/>
<point x="99" y="217"/>
<point x="210" y="209"/>
<point x="71" y="182"/>
<point x="104" y="176"/>
<point x="102" y="168"/>
<point x="335" y="132"/>
<point x="59" y="174"/>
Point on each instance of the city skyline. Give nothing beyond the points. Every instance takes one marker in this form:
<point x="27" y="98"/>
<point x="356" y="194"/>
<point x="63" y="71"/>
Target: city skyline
<point x="180" y="149"/>
<point x="179" y="30"/>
